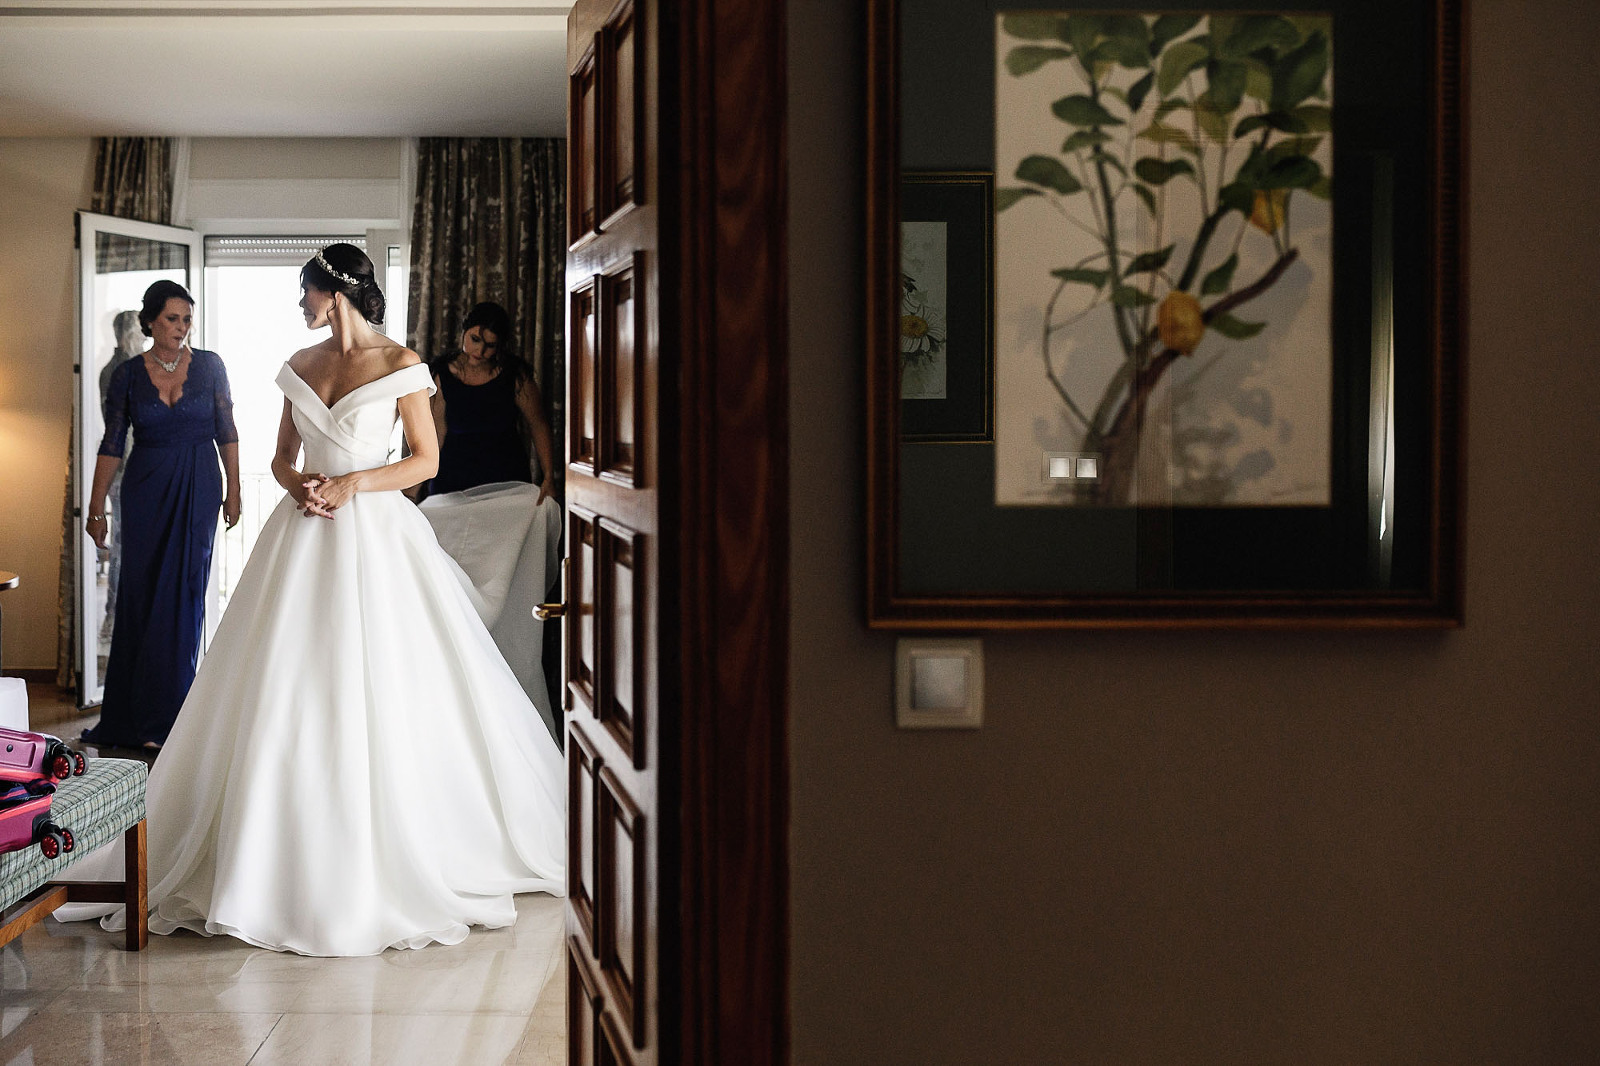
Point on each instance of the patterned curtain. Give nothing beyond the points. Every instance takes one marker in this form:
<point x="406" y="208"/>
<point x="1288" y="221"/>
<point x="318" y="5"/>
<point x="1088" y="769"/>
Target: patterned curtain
<point x="489" y="223"/>
<point x="133" y="178"/>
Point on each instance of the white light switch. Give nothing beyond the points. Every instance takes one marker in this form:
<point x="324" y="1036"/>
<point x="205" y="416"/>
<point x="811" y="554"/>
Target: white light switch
<point x="1061" y="466"/>
<point x="938" y="684"/>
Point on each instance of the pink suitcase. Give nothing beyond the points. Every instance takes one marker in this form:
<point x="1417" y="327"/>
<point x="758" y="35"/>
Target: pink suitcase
<point x="25" y="821"/>
<point x="36" y="757"/>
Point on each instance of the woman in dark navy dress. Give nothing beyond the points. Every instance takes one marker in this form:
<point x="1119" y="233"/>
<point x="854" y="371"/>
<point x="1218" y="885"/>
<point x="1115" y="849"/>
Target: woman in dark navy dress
<point x="486" y="408"/>
<point x="178" y="404"/>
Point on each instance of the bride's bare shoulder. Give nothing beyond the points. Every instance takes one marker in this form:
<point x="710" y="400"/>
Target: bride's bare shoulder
<point x="307" y="358"/>
<point x="399" y="357"/>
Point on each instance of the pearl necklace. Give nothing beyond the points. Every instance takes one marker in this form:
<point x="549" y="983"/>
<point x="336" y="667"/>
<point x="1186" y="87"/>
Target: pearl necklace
<point x="171" y="367"/>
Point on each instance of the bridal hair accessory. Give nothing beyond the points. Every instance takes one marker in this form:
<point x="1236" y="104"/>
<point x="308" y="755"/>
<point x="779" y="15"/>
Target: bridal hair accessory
<point x="341" y="276"/>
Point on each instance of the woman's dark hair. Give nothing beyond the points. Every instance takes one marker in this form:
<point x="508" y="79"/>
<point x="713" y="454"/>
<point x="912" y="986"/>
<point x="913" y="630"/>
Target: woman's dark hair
<point x="155" y="301"/>
<point x="494" y="318"/>
<point x="363" y="294"/>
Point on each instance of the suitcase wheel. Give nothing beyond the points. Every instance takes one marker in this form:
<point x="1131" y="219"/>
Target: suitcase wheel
<point x="78" y="764"/>
<point x="50" y="844"/>
<point x="68" y="841"/>
<point x="61" y="767"/>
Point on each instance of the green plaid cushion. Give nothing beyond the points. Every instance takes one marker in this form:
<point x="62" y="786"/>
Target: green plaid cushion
<point x="98" y="807"/>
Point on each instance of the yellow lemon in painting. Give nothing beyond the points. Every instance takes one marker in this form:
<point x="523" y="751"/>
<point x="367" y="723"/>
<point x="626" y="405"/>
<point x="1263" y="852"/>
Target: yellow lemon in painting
<point x="1179" y="322"/>
<point x="1268" y="213"/>
<point x="913" y="326"/>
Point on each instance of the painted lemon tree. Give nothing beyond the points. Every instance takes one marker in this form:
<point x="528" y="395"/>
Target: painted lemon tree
<point x="1164" y="246"/>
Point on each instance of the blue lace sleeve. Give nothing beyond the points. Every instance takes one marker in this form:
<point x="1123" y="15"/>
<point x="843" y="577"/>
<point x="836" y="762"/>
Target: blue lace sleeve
<point x="226" y="432"/>
<point x="118" y="400"/>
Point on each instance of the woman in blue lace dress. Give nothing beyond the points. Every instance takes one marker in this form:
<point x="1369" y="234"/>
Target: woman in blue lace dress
<point x="177" y="402"/>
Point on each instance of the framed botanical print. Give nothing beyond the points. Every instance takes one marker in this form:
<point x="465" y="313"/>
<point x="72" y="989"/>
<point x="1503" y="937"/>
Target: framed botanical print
<point x="1226" y="314"/>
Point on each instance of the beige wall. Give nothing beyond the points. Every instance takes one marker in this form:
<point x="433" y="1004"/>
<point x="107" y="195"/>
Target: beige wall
<point x="294" y="157"/>
<point x="1224" y="847"/>
<point x="42" y="181"/>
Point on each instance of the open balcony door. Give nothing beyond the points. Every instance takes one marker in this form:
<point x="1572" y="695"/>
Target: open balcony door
<point x="118" y="259"/>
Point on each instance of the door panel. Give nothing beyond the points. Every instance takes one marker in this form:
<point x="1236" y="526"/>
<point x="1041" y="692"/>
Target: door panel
<point x="611" y="626"/>
<point x="623" y="600"/>
<point x="583" y="377"/>
<point x="620" y="925"/>
<point x="583" y="1009"/>
<point x="583" y="770"/>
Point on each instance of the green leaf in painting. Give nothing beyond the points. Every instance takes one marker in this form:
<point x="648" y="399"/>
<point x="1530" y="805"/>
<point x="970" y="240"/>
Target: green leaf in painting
<point x="1317" y="119"/>
<point x="1128" y="296"/>
<point x="1147" y="196"/>
<point x="1170" y="28"/>
<point x="1292" y="172"/>
<point x="1253" y="32"/>
<point x="1167" y="107"/>
<point x="1292" y="146"/>
<point x="1238" y="196"/>
<point x="1139" y="90"/>
<point x="1235" y="328"/>
<point x="1226" y="80"/>
<point x="1084" y="139"/>
<point x="1298" y="75"/>
<point x="1170" y="135"/>
<point x="1121" y="51"/>
<point x="1004" y="198"/>
<point x="1146" y="262"/>
<point x="1128" y="27"/>
<point x="1221" y="27"/>
<point x="1081" y="31"/>
<point x="1322" y="188"/>
<point x="1258" y="80"/>
<point x="1177" y="62"/>
<point x="1080" y="110"/>
<point x="1043" y="170"/>
<point x="1083" y="275"/>
<point x="1306" y="25"/>
<point x="1213" y="125"/>
<point x="1160" y="171"/>
<point x="1221" y="278"/>
<point x="1277" y="120"/>
<point x="1027" y="58"/>
<point x="1032" y="27"/>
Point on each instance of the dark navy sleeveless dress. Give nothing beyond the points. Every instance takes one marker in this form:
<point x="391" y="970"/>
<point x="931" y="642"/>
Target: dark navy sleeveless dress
<point x="483" y="433"/>
<point x="171" y="497"/>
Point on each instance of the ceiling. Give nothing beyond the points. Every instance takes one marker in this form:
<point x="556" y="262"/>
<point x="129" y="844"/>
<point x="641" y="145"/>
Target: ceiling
<point x="282" y="68"/>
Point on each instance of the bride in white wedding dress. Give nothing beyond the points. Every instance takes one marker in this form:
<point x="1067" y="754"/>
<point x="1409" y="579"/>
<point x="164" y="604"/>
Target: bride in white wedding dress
<point x="356" y="767"/>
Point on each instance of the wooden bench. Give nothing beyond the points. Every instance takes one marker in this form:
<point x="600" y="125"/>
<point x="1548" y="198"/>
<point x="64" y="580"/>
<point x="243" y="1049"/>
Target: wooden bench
<point x="107" y="800"/>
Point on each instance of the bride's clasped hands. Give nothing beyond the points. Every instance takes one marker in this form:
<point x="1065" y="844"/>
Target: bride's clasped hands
<point x="322" y="495"/>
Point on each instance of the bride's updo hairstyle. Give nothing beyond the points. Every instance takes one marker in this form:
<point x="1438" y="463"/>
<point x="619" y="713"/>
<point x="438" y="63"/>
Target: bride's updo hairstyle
<point x="344" y="268"/>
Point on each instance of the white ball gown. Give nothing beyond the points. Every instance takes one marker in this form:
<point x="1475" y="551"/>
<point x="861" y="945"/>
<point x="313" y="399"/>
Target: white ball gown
<point x="355" y="768"/>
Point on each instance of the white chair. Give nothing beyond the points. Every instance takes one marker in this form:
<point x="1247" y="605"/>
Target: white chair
<point x="13" y="703"/>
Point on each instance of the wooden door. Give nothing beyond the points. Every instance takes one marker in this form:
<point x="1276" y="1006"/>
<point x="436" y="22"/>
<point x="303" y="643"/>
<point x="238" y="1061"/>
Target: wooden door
<point x="676" y="628"/>
<point x="612" y="631"/>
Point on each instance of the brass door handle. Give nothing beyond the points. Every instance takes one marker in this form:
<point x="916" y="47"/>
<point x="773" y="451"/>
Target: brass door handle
<point x="546" y="612"/>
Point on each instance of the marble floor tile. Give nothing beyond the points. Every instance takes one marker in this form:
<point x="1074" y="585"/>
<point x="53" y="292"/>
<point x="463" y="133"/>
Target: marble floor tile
<point x="37" y="962"/>
<point x="390" y="1040"/>
<point x="50" y="1039"/>
<point x="544" y="1037"/>
<point x="432" y="981"/>
<point x="17" y="1007"/>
